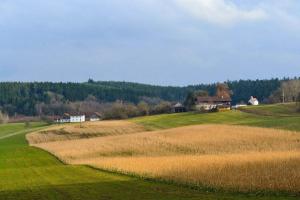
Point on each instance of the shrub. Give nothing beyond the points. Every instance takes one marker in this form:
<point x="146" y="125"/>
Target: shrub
<point x="27" y="124"/>
<point x="162" y="107"/>
<point x="47" y="120"/>
<point x="143" y="108"/>
<point x="116" y="111"/>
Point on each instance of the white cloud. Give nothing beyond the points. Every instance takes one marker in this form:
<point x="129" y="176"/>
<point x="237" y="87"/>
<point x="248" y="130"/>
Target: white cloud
<point x="220" y="12"/>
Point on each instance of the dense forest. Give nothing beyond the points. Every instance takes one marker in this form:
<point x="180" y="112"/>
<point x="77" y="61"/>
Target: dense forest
<point x="23" y="98"/>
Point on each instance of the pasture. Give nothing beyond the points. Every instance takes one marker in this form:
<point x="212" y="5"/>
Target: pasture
<point x="279" y="110"/>
<point x="232" y="118"/>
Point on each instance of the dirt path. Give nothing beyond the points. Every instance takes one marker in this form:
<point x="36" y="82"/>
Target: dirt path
<point x="19" y="133"/>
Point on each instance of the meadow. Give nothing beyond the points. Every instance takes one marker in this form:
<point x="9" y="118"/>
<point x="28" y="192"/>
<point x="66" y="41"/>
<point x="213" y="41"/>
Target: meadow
<point x="28" y="173"/>
<point x="255" y="118"/>
<point x="279" y="110"/>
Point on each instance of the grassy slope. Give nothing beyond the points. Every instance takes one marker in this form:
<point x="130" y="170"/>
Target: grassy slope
<point x="283" y="110"/>
<point x="29" y="173"/>
<point x="17" y="127"/>
<point x="230" y="117"/>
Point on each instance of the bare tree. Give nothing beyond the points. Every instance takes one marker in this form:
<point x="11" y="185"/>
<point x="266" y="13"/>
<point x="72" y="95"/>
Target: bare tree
<point x="223" y="91"/>
<point x="298" y="102"/>
<point x="143" y="108"/>
<point x="162" y="107"/>
<point x="288" y="92"/>
<point x="3" y="118"/>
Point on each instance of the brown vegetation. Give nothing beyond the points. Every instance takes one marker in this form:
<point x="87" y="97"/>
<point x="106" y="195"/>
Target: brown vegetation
<point x="86" y="130"/>
<point x="287" y="92"/>
<point x="239" y="158"/>
<point x="3" y="118"/>
<point x="274" y="171"/>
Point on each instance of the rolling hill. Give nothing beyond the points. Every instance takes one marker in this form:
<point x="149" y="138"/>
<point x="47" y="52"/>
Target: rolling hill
<point x="277" y="110"/>
<point x="28" y="173"/>
<point x="172" y="147"/>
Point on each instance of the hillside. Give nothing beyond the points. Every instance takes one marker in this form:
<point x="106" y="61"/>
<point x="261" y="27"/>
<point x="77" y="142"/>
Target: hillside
<point x="231" y="157"/>
<point x="278" y="110"/>
<point x="36" y="175"/>
<point x="22" y="98"/>
<point x="231" y="117"/>
<point x="233" y="153"/>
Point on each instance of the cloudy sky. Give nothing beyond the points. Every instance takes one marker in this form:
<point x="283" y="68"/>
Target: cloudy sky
<point x="168" y="42"/>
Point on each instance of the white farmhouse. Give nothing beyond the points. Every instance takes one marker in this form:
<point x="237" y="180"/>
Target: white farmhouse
<point x="253" y="101"/>
<point x="77" y="118"/>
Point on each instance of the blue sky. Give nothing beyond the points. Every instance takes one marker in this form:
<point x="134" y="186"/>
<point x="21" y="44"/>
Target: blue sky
<point x="167" y="42"/>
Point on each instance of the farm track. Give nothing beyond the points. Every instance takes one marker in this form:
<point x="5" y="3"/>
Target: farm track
<point x="19" y="133"/>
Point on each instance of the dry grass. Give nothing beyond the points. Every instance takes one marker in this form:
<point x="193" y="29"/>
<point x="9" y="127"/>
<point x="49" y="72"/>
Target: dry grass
<point x="86" y="130"/>
<point x="276" y="171"/>
<point x="240" y="158"/>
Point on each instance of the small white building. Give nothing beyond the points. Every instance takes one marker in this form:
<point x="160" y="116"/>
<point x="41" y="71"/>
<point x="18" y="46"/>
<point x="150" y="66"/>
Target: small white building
<point x="238" y="106"/>
<point x="94" y="119"/>
<point x="67" y="118"/>
<point x="77" y="118"/>
<point x="253" y="101"/>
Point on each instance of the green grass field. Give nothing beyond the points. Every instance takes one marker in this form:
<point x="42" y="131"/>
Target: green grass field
<point x="279" y="110"/>
<point x="228" y="117"/>
<point x="29" y="173"/>
<point x="16" y="128"/>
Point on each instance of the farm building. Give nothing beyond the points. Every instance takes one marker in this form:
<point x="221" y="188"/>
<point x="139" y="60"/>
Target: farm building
<point x="253" y="101"/>
<point x="67" y="118"/>
<point x="178" y="108"/>
<point x="77" y="118"/>
<point x="63" y="120"/>
<point x="210" y="103"/>
<point x="95" y="117"/>
<point x="238" y="106"/>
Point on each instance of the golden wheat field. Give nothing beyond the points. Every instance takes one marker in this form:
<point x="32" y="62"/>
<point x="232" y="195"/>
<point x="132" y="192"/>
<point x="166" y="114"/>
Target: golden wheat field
<point x="85" y="130"/>
<point x="220" y="156"/>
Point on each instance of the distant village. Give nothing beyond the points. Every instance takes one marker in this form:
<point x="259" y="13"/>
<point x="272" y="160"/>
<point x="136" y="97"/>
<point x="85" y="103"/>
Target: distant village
<point x="201" y="104"/>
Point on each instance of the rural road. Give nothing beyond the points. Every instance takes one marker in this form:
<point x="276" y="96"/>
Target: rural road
<point x="19" y="132"/>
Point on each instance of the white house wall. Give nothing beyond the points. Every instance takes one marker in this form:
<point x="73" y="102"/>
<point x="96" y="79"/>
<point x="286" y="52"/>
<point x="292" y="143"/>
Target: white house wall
<point x="77" y="119"/>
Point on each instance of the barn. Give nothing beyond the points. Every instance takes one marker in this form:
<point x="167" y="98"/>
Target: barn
<point x="209" y="103"/>
<point x="179" y="108"/>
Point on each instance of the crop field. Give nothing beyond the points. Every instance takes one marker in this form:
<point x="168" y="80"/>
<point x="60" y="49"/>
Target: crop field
<point x="85" y="130"/>
<point x="27" y="173"/>
<point x="228" y="157"/>
<point x="234" y="159"/>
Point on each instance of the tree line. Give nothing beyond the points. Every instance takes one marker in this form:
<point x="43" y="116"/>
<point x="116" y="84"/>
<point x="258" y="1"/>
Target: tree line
<point x="37" y="98"/>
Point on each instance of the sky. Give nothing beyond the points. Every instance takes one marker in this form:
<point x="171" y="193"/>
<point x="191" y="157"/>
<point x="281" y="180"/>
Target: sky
<point x="161" y="42"/>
